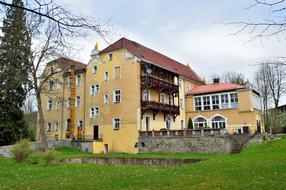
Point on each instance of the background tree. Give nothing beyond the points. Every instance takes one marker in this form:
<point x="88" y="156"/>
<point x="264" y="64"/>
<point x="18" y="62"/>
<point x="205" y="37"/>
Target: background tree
<point x="14" y="57"/>
<point x="232" y="77"/>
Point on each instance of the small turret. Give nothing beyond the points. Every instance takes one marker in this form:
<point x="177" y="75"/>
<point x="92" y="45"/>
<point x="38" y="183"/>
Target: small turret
<point x="95" y="51"/>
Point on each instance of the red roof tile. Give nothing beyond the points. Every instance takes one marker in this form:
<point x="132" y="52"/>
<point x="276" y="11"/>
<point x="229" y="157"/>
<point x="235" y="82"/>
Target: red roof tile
<point x="154" y="57"/>
<point x="216" y="87"/>
<point x="66" y="63"/>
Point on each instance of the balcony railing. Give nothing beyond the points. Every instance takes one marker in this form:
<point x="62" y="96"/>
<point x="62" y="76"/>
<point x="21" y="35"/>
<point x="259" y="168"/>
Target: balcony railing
<point x="182" y="133"/>
<point x="148" y="81"/>
<point x="159" y="107"/>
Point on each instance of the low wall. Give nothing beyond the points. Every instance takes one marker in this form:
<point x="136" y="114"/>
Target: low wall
<point x="196" y="144"/>
<point x="132" y="161"/>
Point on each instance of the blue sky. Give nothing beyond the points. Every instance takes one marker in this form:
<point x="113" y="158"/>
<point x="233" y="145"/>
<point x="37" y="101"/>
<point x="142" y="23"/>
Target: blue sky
<point x="186" y="30"/>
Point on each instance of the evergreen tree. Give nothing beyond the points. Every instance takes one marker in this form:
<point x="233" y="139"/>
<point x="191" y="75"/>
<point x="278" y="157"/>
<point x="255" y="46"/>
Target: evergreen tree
<point x="190" y="124"/>
<point x="15" y="52"/>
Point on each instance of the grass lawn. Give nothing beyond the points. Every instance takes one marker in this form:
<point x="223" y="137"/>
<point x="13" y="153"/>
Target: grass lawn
<point x="258" y="167"/>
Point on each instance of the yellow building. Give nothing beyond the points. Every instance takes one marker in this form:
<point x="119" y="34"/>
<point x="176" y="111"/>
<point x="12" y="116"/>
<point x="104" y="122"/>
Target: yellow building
<point x="232" y="107"/>
<point x="127" y="88"/>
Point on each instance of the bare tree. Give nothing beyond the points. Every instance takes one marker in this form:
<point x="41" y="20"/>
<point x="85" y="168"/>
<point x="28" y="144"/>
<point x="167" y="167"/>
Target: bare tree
<point x="51" y="29"/>
<point x="232" y="77"/>
<point x="275" y="76"/>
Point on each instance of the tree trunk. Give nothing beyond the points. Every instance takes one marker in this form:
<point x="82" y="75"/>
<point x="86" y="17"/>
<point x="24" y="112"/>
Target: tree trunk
<point x="42" y="123"/>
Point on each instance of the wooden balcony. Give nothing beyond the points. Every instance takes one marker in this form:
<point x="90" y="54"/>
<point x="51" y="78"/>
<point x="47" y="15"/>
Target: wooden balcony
<point x="159" y="107"/>
<point x="163" y="86"/>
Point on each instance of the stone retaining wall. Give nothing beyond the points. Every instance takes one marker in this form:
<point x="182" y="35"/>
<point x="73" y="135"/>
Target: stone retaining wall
<point x="197" y="144"/>
<point x="132" y="161"/>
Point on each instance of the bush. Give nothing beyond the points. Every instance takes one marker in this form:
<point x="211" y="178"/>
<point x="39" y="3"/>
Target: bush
<point x="50" y="157"/>
<point x="21" y="150"/>
<point x="190" y="124"/>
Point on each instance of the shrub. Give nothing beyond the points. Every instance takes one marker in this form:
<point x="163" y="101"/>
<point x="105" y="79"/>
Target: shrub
<point x="50" y="157"/>
<point x="190" y="124"/>
<point x="21" y="150"/>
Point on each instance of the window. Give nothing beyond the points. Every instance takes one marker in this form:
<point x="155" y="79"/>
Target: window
<point x="105" y="99"/>
<point x="188" y="86"/>
<point x="117" y="73"/>
<point x="162" y="98"/>
<point x="56" y="126"/>
<point x="182" y="124"/>
<point x="200" y="122"/>
<point x="198" y="103"/>
<point x="110" y="57"/>
<point x="94" y="89"/>
<point x="58" y="84"/>
<point x="52" y="70"/>
<point x="234" y="100"/>
<point x="218" y="122"/>
<point x="116" y="123"/>
<point x="80" y="123"/>
<point x="117" y="96"/>
<point x="146" y="95"/>
<point x="49" y="127"/>
<point x="68" y="102"/>
<point x="224" y="100"/>
<point x="69" y="81"/>
<point x="180" y="83"/>
<point x="105" y="76"/>
<point x="78" y="80"/>
<point x="215" y="102"/>
<point x="57" y="104"/>
<point x="94" y="112"/>
<point x="50" y="105"/>
<point x="77" y="101"/>
<point x="171" y="100"/>
<point x="68" y="124"/>
<point x="50" y="85"/>
<point x="94" y="69"/>
<point x="206" y="102"/>
<point x="181" y="103"/>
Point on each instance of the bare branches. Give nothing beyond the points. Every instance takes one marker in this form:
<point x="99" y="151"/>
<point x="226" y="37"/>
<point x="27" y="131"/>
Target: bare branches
<point x="268" y="27"/>
<point x="67" y="24"/>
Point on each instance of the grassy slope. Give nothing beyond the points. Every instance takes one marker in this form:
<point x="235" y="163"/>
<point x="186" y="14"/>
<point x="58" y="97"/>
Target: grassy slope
<point x="258" y="167"/>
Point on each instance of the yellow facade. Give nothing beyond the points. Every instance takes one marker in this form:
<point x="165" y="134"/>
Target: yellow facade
<point x="108" y="103"/>
<point x="245" y="115"/>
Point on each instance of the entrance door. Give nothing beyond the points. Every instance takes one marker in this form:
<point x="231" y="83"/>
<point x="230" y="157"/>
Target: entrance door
<point x="148" y="123"/>
<point x="95" y="132"/>
<point x="245" y="130"/>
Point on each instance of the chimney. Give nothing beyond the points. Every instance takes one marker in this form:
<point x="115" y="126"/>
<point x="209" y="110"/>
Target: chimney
<point x="216" y="80"/>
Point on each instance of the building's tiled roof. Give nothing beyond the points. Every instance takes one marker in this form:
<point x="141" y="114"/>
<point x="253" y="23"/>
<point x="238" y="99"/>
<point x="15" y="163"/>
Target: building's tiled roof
<point x="66" y="63"/>
<point x="215" y="87"/>
<point x="154" y="57"/>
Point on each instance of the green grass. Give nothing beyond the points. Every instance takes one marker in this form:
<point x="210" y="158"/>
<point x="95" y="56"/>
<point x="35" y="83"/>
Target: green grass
<point x="258" y="167"/>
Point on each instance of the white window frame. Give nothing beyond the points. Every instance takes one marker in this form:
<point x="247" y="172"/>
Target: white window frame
<point x="50" y="85"/>
<point x="78" y="80"/>
<point x="110" y="57"/>
<point x="79" y="121"/>
<point x="50" y="105"/>
<point x="56" y="126"/>
<point x="115" y="96"/>
<point x="182" y="103"/>
<point x="146" y="95"/>
<point x="57" y="104"/>
<point x="205" y="123"/>
<point x="49" y="127"/>
<point x="188" y="86"/>
<point x="69" y="81"/>
<point x="68" y="102"/>
<point x="198" y="103"/>
<point x="206" y="102"/>
<point x="114" y="122"/>
<point x="162" y="98"/>
<point x="181" y="84"/>
<point x="93" y="112"/>
<point x="218" y="123"/>
<point x="77" y="101"/>
<point x="94" y="69"/>
<point x="105" y="99"/>
<point x="182" y="123"/>
<point x="93" y="89"/>
<point x="106" y="76"/>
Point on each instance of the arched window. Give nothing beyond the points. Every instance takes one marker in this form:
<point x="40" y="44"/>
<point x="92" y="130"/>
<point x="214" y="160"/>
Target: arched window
<point x="218" y="122"/>
<point x="200" y="122"/>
